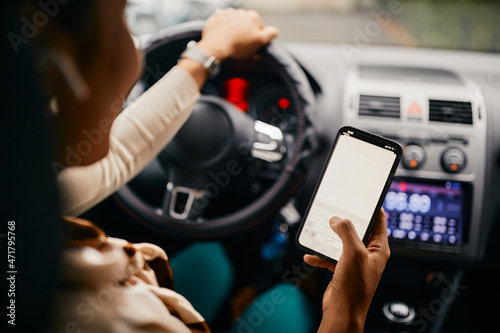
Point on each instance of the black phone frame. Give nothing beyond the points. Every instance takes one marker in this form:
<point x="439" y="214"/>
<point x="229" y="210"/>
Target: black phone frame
<point x="371" y="138"/>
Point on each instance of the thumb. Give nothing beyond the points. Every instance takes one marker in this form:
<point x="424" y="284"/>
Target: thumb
<point x="346" y="232"/>
<point x="268" y="33"/>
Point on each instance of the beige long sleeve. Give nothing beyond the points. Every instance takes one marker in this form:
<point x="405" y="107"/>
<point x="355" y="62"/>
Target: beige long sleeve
<point x="137" y="136"/>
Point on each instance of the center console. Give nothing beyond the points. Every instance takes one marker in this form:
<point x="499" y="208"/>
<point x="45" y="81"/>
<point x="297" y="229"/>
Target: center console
<point x="434" y="207"/>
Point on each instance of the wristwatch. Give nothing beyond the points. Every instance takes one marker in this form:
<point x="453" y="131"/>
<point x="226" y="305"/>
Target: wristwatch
<point x="193" y="52"/>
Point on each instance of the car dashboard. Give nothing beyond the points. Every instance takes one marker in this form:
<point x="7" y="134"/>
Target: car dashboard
<point x="441" y="209"/>
<point x="440" y="106"/>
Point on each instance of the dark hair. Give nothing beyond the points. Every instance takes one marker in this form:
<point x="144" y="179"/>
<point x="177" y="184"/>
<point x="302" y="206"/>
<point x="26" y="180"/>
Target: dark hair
<point x="27" y="180"/>
<point x="72" y="15"/>
<point x="76" y="17"/>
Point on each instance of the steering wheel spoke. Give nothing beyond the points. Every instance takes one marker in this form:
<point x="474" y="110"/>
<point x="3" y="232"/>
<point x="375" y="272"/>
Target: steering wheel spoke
<point x="269" y="142"/>
<point x="179" y="202"/>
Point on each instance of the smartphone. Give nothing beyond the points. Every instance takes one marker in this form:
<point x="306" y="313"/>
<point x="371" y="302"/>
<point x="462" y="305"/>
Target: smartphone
<point x="353" y="185"/>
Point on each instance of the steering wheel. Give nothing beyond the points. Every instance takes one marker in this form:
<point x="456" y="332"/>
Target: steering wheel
<point x="225" y="170"/>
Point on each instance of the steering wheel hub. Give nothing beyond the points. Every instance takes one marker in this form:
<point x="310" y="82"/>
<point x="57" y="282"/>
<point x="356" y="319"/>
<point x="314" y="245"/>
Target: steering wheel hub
<point x="203" y="140"/>
<point x="207" y="142"/>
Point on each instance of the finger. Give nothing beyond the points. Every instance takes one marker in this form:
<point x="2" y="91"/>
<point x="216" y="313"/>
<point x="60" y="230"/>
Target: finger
<point x="256" y="17"/>
<point x="268" y="33"/>
<point x="378" y="239"/>
<point x="346" y="232"/>
<point x="378" y="236"/>
<point x="219" y="13"/>
<point x="380" y="227"/>
<point x="316" y="261"/>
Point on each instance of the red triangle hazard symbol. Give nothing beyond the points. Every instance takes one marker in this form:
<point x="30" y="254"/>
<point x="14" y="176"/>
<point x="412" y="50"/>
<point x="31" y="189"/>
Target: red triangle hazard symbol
<point x="414" y="109"/>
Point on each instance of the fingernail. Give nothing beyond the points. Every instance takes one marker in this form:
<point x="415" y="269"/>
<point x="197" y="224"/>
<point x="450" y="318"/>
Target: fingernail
<point x="333" y="220"/>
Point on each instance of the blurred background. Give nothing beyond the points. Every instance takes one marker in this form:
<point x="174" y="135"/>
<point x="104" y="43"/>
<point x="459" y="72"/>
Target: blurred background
<point x="446" y="24"/>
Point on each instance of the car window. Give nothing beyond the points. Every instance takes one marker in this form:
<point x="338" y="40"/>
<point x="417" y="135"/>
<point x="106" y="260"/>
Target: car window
<point x="449" y="24"/>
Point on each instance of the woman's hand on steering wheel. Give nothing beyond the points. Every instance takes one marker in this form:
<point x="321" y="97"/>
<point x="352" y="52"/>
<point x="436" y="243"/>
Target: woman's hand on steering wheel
<point x="235" y="33"/>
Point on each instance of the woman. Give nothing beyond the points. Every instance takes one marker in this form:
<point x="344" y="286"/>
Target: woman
<point x="88" y="64"/>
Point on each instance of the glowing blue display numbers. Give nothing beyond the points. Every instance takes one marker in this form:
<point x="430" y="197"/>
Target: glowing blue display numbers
<point x="416" y="203"/>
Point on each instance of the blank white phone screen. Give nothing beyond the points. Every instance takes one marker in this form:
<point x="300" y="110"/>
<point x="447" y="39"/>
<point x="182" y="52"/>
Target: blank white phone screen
<point x="351" y="187"/>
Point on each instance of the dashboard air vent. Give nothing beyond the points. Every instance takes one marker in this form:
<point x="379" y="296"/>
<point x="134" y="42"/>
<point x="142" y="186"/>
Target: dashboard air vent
<point x="450" y="112"/>
<point x="379" y="106"/>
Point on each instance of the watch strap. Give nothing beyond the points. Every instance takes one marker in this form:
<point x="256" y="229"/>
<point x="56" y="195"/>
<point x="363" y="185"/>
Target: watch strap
<point x="210" y="63"/>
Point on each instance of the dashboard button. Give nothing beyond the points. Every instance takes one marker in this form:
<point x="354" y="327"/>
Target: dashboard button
<point x="398" y="312"/>
<point x="413" y="157"/>
<point x="453" y="160"/>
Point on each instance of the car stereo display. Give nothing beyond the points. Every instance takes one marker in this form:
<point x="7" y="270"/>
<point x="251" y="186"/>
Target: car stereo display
<point x="426" y="212"/>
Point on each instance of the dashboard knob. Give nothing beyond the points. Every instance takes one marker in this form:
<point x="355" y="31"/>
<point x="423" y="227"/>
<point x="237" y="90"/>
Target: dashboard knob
<point x="397" y="312"/>
<point x="413" y="157"/>
<point x="453" y="160"/>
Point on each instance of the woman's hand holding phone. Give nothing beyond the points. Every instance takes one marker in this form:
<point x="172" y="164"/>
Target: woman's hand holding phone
<point x="357" y="274"/>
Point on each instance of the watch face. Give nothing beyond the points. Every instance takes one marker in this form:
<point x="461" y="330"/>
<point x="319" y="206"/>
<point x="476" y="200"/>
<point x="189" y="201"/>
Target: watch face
<point x="213" y="67"/>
